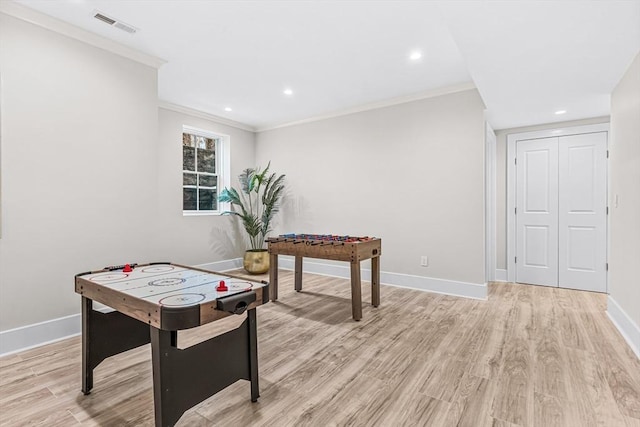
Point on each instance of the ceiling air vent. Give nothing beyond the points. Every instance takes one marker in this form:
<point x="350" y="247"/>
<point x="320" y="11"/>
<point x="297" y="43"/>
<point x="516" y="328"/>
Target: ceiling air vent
<point x="104" y="18"/>
<point x="124" y="27"/>
<point x="114" y="22"/>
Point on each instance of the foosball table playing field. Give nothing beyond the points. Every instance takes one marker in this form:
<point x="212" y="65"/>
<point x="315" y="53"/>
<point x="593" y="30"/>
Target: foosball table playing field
<point x="340" y="248"/>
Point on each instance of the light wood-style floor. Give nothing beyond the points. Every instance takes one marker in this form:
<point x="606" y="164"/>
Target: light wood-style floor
<point x="529" y="356"/>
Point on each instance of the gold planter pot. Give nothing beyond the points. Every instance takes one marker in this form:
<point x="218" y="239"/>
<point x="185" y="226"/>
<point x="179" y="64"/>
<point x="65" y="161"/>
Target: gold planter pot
<point x="256" y="261"/>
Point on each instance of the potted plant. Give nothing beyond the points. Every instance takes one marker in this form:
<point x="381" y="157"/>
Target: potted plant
<point x="255" y="204"/>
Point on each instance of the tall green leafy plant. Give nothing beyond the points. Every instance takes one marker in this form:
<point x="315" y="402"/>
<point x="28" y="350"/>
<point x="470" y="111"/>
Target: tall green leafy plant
<point x="256" y="203"/>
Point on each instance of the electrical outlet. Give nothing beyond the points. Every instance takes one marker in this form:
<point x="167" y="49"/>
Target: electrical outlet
<point x="424" y="261"/>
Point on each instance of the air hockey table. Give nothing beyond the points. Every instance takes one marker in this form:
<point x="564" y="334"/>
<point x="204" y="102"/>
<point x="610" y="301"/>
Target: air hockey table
<point x="151" y="303"/>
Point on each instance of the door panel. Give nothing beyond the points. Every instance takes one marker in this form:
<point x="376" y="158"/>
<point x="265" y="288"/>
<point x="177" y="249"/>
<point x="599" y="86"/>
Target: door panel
<point x="582" y="237"/>
<point x="536" y="243"/>
<point x="582" y="241"/>
<point x="536" y="181"/>
<point x="537" y="211"/>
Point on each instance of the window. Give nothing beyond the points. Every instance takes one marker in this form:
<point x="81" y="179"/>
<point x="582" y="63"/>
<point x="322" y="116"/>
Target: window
<point x="202" y="164"/>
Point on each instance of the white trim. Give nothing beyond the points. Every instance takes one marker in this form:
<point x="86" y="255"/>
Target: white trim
<point x="432" y="93"/>
<point x="511" y="179"/>
<point x="203" y="115"/>
<point x="42" y="333"/>
<point x="203" y="132"/>
<point x="490" y="203"/>
<point x="50" y="23"/>
<point x="561" y="131"/>
<point x="224" y="265"/>
<point x="429" y="284"/>
<point x="625" y="325"/>
<point x="511" y="204"/>
<point x="223" y="150"/>
<point x="224" y="179"/>
<point x="30" y="336"/>
<point x="501" y="275"/>
<point x="202" y="213"/>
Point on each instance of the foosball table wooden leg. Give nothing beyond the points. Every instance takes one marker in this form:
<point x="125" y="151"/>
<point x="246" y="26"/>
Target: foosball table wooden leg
<point x="375" y="281"/>
<point x="298" y="274"/>
<point x="273" y="276"/>
<point x="356" y="291"/>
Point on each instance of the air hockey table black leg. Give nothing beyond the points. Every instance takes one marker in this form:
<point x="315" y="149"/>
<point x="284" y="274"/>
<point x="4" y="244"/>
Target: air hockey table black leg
<point x="105" y="335"/>
<point x="166" y="411"/>
<point x="253" y="354"/>
<point x="87" y="370"/>
<point x="182" y="378"/>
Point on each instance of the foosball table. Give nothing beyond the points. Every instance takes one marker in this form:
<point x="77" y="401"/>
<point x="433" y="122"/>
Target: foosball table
<point x="331" y="247"/>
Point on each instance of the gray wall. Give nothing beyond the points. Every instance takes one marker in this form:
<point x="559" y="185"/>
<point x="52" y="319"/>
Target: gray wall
<point x="411" y="174"/>
<point x="624" y="285"/>
<point x="196" y="239"/>
<point x="79" y="168"/>
<point x="501" y="178"/>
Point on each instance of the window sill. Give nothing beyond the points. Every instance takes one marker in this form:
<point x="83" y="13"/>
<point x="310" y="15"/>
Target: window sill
<point x="201" y="213"/>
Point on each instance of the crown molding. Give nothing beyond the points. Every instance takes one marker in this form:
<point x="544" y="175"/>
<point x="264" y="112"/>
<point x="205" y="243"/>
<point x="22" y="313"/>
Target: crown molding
<point x="204" y="115"/>
<point x="432" y="93"/>
<point x="50" y="23"/>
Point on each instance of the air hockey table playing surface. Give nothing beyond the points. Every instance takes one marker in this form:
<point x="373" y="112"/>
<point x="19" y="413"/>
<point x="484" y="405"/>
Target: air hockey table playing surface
<point x="167" y="296"/>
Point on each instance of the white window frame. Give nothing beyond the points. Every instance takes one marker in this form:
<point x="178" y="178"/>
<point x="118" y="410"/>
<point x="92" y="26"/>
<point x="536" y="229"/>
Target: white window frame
<point x="223" y="167"/>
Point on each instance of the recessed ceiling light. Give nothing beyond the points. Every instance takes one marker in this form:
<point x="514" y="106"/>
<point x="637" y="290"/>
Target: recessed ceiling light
<point x="288" y="92"/>
<point x="415" y="56"/>
<point x="228" y="109"/>
<point x="561" y="112"/>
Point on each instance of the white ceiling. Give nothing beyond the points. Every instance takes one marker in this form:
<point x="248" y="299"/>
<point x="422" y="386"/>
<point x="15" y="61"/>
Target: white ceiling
<point x="527" y="58"/>
<point x="530" y="59"/>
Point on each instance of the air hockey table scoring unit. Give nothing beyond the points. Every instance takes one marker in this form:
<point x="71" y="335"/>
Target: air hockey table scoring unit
<point x="152" y="302"/>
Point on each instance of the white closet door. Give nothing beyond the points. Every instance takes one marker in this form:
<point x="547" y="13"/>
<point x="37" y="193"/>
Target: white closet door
<point x="537" y="211"/>
<point x="582" y="238"/>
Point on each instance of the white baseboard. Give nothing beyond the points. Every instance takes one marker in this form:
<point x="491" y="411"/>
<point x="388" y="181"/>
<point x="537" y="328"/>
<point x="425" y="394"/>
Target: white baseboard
<point x="441" y="286"/>
<point x="625" y="325"/>
<point x="501" y="275"/>
<point x="47" y="332"/>
<point x="225" y="265"/>
<point x="30" y="336"/>
<point x="37" y="334"/>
